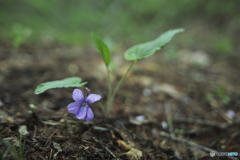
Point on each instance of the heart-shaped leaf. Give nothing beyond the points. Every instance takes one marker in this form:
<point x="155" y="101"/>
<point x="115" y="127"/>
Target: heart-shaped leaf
<point x="102" y="48"/>
<point x="64" y="83"/>
<point x="144" y="50"/>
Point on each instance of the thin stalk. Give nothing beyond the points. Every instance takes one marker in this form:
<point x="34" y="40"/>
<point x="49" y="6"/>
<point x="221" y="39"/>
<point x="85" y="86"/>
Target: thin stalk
<point x="20" y="147"/>
<point x="117" y="87"/>
<point x="102" y="107"/>
<point x="109" y="86"/>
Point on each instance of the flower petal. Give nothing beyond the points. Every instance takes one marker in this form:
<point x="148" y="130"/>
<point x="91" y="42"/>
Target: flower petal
<point x="89" y="115"/>
<point x="74" y="107"/>
<point x="82" y="111"/>
<point x="91" y="98"/>
<point x="78" y="96"/>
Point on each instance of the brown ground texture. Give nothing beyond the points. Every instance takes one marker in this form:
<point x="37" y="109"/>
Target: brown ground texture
<point x="161" y="111"/>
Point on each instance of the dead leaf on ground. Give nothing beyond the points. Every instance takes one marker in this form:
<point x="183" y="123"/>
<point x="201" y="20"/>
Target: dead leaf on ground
<point x="169" y="90"/>
<point x="132" y="153"/>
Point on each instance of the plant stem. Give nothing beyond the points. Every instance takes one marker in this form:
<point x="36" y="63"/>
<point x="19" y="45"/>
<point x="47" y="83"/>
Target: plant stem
<point x="117" y="87"/>
<point x="102" y="107"/>
<point x="109" y="87"/>
<point x="20" y="147"/>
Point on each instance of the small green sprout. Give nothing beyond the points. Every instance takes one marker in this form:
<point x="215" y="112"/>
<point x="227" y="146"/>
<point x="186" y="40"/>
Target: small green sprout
<point x="20" y="34"/>
<point x="17" y="154"/>
<point x="219" y="94"/>
<point x="32" y="108"/>
<point x="179" y="131"/>
<point x="222" y="95"/>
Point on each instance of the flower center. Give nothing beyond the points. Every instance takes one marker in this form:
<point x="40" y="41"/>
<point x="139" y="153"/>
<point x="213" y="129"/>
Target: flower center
<point x="84" y="104"/>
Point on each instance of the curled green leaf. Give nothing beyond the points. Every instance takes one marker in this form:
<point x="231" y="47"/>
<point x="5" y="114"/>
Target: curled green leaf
<point x="144" y="50"/>
<point x="64" y="83"/>
<point x="102" y="48"/>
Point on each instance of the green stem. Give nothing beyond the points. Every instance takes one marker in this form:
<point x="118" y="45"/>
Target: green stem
<point x="109" y="86"/>
<point x="102" y="107"/>
<point x="117" y="87"/>
<point x="20" y="146"/>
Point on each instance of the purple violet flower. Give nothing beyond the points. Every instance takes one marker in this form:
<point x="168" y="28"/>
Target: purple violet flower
<point x="80" y="107"/>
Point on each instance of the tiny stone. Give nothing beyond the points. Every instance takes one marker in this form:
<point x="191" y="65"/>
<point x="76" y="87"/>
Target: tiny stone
<point x="140" y="118"/>
<point x="147" y="92"/>
<point x="164" y="125"/>
<point x="230" y="113"/>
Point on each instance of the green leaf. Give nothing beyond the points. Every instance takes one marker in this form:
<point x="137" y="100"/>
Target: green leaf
<point x="102" y="48"/>
<point x="144" y="50"/>
<point x="64" y="83"/>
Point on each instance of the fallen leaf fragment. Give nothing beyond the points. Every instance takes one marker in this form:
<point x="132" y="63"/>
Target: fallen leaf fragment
<point x="23" y="130"/>
<point x="169" y="90"/>
<point x="132" y="153"/>
<point x="58" y="147"/>
<point x="139" y="120"/>
<point x="123" y="145"/>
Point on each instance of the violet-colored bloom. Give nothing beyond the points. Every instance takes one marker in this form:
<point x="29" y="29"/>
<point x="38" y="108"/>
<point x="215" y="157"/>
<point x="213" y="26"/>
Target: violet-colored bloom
<point x="80" y="106"/>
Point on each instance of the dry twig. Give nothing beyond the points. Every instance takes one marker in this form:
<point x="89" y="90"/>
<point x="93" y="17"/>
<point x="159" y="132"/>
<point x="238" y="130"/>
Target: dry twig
<point x="104" y="147"/>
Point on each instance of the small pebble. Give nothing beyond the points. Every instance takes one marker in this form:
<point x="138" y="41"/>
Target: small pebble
<point x="164" y="125"/>
<point x="147" y="92"/>
<point x="230" y="113"/>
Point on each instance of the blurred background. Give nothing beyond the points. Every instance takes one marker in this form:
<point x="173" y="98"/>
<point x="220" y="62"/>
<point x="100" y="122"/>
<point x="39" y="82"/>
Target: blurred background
<point x="210" y="25"/>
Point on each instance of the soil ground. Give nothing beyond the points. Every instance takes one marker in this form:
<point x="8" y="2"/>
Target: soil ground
<point x="163" y="110"/>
